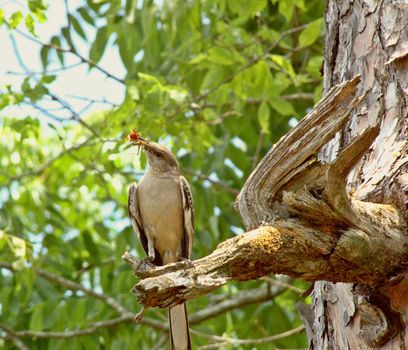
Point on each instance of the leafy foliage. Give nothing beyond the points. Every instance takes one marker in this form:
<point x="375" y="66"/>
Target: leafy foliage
<point x="219" y="82"/>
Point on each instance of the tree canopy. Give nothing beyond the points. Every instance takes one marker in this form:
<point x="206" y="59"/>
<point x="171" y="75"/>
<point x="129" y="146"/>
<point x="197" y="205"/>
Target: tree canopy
<point x="217" y="81"/>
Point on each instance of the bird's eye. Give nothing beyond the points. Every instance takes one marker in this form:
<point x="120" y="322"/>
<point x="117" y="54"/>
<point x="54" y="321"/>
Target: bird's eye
<point x="160" y="155"/>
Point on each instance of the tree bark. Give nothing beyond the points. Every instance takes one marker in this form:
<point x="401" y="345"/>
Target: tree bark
<point x="368" y="38"/>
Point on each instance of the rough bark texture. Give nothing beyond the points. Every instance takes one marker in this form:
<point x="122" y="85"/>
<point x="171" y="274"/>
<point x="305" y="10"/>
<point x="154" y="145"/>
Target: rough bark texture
<point x="369" y="38"/>
<point x="330" y="200"/>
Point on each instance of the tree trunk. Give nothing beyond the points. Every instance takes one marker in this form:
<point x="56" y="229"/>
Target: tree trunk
<point x="369" y="38"/>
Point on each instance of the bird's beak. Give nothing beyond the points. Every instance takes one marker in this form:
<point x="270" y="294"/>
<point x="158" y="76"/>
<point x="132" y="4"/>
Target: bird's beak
<point x="141" y="142"/>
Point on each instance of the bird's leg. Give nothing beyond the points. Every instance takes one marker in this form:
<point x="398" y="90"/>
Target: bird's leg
<point x="139" y="316"/>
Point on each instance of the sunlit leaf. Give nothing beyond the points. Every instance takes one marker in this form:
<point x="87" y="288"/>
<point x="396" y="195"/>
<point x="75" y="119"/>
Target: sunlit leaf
<point x="263" y="117"/>
<point x="15" y="20"/>
<point x="311" y="33"/>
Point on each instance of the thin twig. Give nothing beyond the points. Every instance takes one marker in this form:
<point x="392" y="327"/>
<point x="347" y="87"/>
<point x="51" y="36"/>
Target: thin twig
<point x="299" y="96"/>
<point x="283" y="284"/>
<point x="249" y="64"/>
<point x="10" y="334"/>
<point x="220" y="184"/>
<point x="195" y="100"/>
<point x="234" y="341"/>
<point x="48" y="163"/>
<point x="290" y="97"/>
<point x="125" y="315"/>
<point x="46" y="72"/>
<point x="258" y="150"/>
<point x="237" y="301"/>
<point x="92" y="328"/>
<point x="44" y="111"/>
<point x="74" y="114"/>
<point x="75" y="53"/>
<point x="108" y="300"/>
<point x="102" y="101"/>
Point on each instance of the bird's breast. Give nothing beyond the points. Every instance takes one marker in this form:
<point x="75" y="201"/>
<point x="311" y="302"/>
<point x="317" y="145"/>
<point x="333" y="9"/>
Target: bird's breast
<point x="161" y="210"/>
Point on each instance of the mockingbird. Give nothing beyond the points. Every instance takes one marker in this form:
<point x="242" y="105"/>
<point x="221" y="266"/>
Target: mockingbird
<point x="161" y="209"/>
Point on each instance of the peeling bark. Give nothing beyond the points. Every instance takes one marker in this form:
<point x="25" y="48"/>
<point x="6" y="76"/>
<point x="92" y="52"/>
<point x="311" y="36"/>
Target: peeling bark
<point x="369" y="38"/>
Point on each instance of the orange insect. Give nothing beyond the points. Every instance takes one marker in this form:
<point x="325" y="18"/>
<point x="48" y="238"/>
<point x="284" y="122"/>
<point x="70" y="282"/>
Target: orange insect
<point x="133" y="136"/>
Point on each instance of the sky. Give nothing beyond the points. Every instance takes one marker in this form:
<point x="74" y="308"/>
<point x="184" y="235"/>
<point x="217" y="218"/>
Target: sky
<point x="77" y="81"/>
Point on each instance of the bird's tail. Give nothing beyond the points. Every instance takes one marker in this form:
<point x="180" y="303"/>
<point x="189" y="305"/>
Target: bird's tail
<point x="179" y="330"/>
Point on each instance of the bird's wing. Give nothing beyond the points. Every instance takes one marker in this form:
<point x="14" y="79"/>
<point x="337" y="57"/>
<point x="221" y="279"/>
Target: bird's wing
<point x="188" y="208"/>
<point x="134" y="214"/>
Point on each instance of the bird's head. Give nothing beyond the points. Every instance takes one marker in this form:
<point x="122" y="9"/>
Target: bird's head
<point x="159" y="157"/>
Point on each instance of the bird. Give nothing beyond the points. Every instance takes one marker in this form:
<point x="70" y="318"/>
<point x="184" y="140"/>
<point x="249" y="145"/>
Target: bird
<point x="161" y="210"/>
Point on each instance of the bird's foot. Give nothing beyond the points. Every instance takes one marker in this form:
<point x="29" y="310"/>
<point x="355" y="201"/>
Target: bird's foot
<point x="186" y="262"/>
<point x="145" y="265"/>
<point x="139" y="316"/>
<point x="149" y="263"/>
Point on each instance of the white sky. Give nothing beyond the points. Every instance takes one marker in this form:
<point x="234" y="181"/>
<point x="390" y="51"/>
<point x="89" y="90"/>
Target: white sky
<point x="76" y="81"/>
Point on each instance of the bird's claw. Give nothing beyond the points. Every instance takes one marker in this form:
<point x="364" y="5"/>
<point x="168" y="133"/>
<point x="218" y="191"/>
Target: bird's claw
<point x="187" y="262"/>
<point x="139" y="316"/>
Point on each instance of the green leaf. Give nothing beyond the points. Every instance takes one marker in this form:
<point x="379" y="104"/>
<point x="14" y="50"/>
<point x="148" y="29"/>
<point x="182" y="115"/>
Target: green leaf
<point x="284" y="63"/>
<point x="99" y="45"/>
<point x="2" y="17"/>
<point x="77" y="26"/>
<point x="56" y="41"/>
<point x="263" y="117"/>
<point x="90" y="245"/>
<point x="150" y="78"/>
<point x="29" y="22"/>
<point x="48" y="79"/>
<point x="311" y="33"/>
<point x="213" y="77"/>
<point x="36" y="321"/>
<point x="220" y="55"/>
<point x="133" y="91"/>
<point x="281" y="105"/>
<point x="255" y="6"/>
<point x="177" y="94"/>
<point x="15" y="20"/>
<point x="44" y="54"/>
<point x="314" y="65"/>
<point x="85" y="15"/>
<point x="286" y="8"/>
<point x="67" y="36"/>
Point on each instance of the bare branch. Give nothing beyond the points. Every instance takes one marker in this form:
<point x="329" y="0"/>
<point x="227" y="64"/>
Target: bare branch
<point x="223" y="341"/>
<point x="71" y="285"/>
<point x="239" y="300"/>
<point x="71" y="50"/>
<point x="48" y="71"/>
<point x="49" y="162"/>
<point x="92" y="328"/>
<point x="12" y="336"/>
<point x="261" y="140"/>
<point x="66" y="283"/>
<point x="249" y="64"/>
<point x="101" y="101"/>
<point x="220" y="184"/>
<point x="291" y="97"/>
<point x="125" y="315"/>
